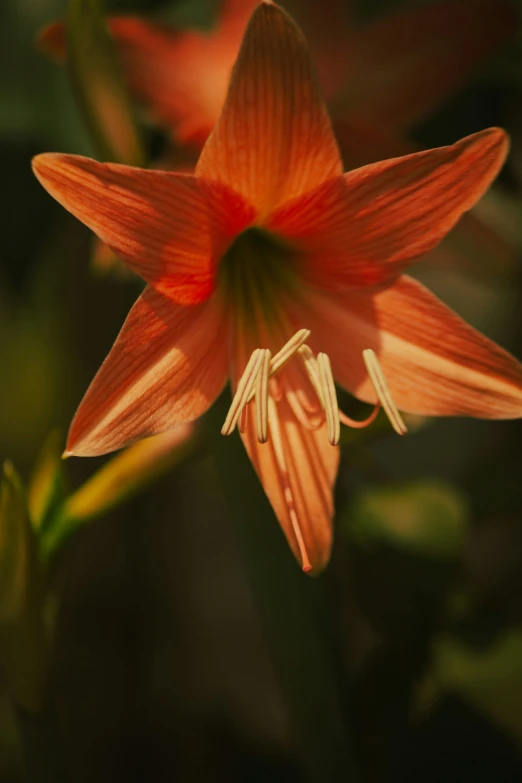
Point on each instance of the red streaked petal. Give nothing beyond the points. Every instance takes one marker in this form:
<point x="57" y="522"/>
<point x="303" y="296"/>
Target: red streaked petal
<point x="167" y="366"/>
<point x="434" y="362"/>
<point x="170" y="228"/>
<point x="297" y="468"/>
<point x="368" y="226"/>
<point x="404" y="65"/>
<point x="273" y="140"/>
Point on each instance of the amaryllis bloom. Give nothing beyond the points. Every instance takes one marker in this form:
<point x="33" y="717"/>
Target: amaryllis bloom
<point x="271" y="268"/>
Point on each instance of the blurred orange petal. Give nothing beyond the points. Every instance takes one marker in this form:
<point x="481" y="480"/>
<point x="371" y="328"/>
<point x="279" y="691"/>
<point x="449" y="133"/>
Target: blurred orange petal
<point x="404" y="65"/>
<point x="51" y="41"/>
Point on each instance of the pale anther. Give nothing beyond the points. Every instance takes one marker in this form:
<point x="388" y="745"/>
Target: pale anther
<point x="310" y="364"/>
<point x="331" y="408"/>
<point x="261" y="393"/>
<point x="287" y="351"/>
<point x="383" y="393"/>
<point x="244" y="389"/>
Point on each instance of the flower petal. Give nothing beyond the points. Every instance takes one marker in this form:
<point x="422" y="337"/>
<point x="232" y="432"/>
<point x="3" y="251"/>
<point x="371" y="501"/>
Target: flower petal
<point x="273" y="140"/>
<point x="296" y="466"/>
<point x="167" y="366"/>
<point x="170" y="228"/>
<point x="435" y="364"/>
<point x="404" y="65"/>
<point x="368" y="226"/>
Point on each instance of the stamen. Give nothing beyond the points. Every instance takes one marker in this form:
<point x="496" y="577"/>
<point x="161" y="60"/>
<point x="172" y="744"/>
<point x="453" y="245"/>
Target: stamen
<point x="261" y="393"/>
<point x="383" y="393"/>
<point x="245" y="387"/>
<point x="331" y="408"/>
<point x="310" y="364"/>
<point x="287" y="351"/>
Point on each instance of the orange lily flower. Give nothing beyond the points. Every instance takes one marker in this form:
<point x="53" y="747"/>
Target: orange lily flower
<point x="272" y="268"/>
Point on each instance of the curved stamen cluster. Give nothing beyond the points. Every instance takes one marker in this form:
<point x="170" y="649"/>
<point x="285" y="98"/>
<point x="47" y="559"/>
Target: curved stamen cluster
<point x="262" y="366"/>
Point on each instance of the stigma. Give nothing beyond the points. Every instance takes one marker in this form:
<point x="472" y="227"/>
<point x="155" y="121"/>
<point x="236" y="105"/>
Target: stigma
<point x="262" y="367"/>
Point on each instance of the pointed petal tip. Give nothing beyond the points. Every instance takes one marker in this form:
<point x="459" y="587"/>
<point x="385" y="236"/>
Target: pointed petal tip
<point x="67" y="453"/>
<point x="46" y="162"/>
<point x="496" y="138"/>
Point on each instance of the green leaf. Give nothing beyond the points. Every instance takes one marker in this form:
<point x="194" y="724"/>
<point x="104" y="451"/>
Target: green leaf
<point x="23" y="648"/>
<point x="99" y="85"/>
<point x="427" y="518"/>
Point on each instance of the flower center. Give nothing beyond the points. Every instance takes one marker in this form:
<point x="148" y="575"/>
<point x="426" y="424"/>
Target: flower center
<point x="255" y="272"/>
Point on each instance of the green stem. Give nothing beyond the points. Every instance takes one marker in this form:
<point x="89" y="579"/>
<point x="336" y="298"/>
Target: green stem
<point x="293" y="614"/>
<point x="41" y="747"/>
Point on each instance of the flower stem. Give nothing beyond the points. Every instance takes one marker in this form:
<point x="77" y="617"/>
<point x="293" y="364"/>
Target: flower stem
<point x="293" y="615"/>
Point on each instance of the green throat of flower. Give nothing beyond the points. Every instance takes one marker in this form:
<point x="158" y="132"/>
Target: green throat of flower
<point x="256" y="274"/>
